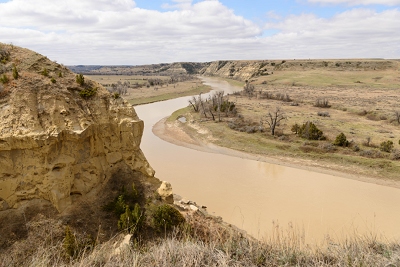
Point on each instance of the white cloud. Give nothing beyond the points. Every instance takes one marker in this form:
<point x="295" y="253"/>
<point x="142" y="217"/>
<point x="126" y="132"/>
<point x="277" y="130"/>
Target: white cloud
<point x="118" y="32"/>
<point x="354" y="33"/>
<point x="118" y="27"/>
<point x="358" y="2"/>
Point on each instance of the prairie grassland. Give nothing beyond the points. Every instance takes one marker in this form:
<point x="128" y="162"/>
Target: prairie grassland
<point x="355" y="79"/>
<point x="109" y="79"/>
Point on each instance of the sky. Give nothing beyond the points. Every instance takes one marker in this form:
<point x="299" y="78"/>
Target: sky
<point x="127" y="32"/>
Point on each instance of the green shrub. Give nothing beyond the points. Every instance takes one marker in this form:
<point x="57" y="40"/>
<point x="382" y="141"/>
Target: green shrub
<point x="69" y="244"/>
<point x="4" y="79"/>
<point x="4" y="55"/>
<point x="75" y="246"/>
<point x="322" y="103"/>
<point x="15" y="72"/>
<point x="295" y="128"/>
<point x="310" y="131"/>
<point x="60" y="74"/>
<point x="116" y="95"/>
<point x="45" y="72"/>
<point x="125" y="220"/>
<point x="132" y="221"/>
<point x="166" y="217"/>
<point x="87" y="93"/>
<point x="53" y="80"/>
<point x="118" y="205"/>
<point x="341" y="140"/>
<point x="386" y="146"/>
<point x="80" y="79"/>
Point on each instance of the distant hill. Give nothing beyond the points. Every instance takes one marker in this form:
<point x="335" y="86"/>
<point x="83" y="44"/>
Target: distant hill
<point x="239" y="69"/>
<point x="162" y="69"/>
<point x="246" y="69"/>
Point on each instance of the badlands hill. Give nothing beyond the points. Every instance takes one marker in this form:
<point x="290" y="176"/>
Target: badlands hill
<point x="162" y="69"/>
<point x="240" y="69"/>
<point x="245" y="70"/>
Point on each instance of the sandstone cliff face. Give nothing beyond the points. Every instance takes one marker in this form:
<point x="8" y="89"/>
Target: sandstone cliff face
<point x="239" y="70"/>
<point x="54" y="142"/>
<point x="245" y="69"/>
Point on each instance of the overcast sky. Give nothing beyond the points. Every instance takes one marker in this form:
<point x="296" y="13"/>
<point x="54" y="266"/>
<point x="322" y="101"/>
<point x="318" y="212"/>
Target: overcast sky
<point x="126" y="32"/>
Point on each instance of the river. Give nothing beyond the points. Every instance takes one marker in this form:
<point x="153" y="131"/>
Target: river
<point x="258" y="197"/>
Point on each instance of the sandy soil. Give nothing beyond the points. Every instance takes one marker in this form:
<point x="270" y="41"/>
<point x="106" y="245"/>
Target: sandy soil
<point x="173" y="133"/>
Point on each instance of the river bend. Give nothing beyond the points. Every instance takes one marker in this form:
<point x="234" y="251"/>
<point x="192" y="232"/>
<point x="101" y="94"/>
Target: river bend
<point x="258" y="196"/>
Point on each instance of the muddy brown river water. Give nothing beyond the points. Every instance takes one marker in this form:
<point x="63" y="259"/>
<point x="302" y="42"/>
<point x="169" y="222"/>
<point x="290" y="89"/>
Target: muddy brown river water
<point x="258" y="196"/>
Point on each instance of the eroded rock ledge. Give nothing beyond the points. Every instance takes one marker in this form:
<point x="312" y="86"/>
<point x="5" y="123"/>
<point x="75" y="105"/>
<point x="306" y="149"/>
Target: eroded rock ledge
<point x="55" y="143"/>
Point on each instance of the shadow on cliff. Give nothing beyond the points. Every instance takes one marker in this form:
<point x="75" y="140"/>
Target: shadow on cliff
<point x="87" y="215"/>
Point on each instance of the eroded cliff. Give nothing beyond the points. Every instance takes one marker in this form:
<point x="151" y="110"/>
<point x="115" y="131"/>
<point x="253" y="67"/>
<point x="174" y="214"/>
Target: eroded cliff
<point x="59" y="138"/>
<point x="246" y="69"/>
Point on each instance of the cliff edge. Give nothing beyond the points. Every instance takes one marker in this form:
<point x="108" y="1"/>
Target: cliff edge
<point x="243" y="70"/>
<point x="59" y="136"/>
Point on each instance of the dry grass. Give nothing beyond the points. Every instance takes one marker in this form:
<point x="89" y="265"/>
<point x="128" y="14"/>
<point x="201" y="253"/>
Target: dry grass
<point x="206" y="242"/>
<point x="145" y="95"/>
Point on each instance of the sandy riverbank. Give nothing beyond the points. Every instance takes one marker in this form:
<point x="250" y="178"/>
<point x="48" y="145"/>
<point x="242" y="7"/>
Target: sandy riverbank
<point x="173" y="133"/>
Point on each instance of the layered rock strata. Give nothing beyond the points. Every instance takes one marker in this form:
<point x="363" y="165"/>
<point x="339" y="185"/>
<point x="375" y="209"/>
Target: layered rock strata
<point x="246" y="69"/>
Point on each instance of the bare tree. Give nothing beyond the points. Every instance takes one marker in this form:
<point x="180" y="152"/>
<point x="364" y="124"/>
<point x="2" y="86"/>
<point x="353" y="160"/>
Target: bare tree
<point x="120" y="88"/>
<point x="195" y="103"/>
<point x="203" y="107"/>
<point x="216" y="105"/>
<point x="274" y="117"/>
<point x="219" y="96"/>
<point x="209" y="106"/>
<point x="249" y="89"/>
<point x="322" y="103"/>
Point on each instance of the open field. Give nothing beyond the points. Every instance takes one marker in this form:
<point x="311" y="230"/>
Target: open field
<point x="141" y="92"/>
<point x="362" y="106"/>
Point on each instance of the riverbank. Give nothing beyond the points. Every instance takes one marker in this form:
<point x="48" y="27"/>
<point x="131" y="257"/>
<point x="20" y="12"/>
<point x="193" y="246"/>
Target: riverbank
<point x="168" y="95"/>
<point x="142" y="90"/>
<point x="173" y="131"/>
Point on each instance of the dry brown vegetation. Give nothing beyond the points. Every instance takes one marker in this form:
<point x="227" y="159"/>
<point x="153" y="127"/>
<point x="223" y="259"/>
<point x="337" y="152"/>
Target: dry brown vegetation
<point x="202" y="241"/>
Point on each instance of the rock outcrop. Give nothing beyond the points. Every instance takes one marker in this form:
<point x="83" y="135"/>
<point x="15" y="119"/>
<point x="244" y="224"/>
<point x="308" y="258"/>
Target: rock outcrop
<point x="246" y="69"/>
<point x="59" y="138"/>
<point x="165" y="192"/>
